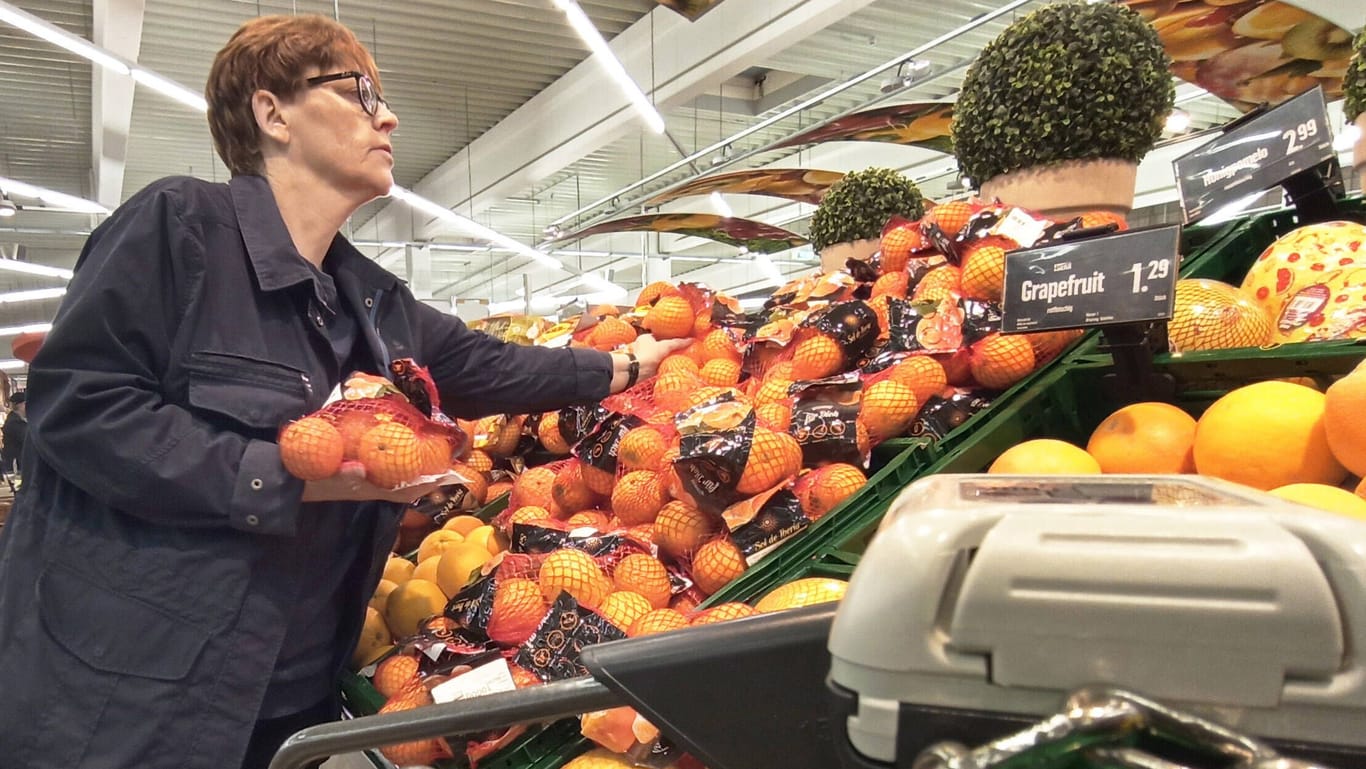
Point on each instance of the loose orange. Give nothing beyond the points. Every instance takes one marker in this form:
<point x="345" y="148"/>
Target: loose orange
<point x="390" y="455"/>
<point x="671" y="317"/>
<point x="657" y="621"/>
<point x="518" y="608"/>
<point x="644" y="574"/>
<point x="1145" y="438"/>
<point x="816" y="357"/>
<point x="622" y="608"/>
<point x="923" y="374"/>
<point x="411" y="603"/>
<point x="642" y="448"/>
<point x="681" y="528"/>
<point x="1045" y="456"/>
<point x="638" y="497"/>
<point x="1000" y="361"/>
<point x="576" y="573"/>
<point x="1267" y="435"/>
<point x="715" y="564"/>
<point x="312" y="449"/>
<point x="773" y="456"/>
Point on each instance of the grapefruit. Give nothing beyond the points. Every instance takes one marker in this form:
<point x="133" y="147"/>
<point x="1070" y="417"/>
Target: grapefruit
<point x="1267" y="435"/>
<point x="1045" y="456"/>
<point x="1145" y="438"/>
<point x="1330" y="498"/>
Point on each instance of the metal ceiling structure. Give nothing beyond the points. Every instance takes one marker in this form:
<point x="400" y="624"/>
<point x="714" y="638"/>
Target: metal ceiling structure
<point x="504" y="118"/>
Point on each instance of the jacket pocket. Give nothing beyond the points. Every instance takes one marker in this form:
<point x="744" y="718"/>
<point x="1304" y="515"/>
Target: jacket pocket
<point x="115" y="633"/>
<point x="258" y="394"/>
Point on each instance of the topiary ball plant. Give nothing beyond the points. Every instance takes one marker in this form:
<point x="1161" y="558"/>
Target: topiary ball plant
<point x="1354" y="82"/>
<point x="1070" y="81"/>
<point x="859" y="205"/>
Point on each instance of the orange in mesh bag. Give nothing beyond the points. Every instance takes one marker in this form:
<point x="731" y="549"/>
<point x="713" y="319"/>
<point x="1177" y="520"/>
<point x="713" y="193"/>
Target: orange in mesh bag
<point x="394" y="429"/>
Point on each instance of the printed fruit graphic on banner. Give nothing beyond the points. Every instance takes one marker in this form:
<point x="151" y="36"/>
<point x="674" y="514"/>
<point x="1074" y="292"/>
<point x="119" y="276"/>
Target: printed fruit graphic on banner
<point x="1145" y="438"/>
<point x="1210" y="315"/>
<point x="1267" y="435"/>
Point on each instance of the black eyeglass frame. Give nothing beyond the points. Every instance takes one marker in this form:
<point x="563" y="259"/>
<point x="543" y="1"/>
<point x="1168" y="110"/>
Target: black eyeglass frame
<point x="364" y="85"/>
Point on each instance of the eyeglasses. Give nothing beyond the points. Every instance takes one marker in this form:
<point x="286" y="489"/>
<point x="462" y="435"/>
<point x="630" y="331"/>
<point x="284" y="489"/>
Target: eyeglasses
<point x="365" y="89"/>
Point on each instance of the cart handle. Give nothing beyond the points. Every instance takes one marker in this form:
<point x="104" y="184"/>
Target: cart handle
<point x="522" y="706"/>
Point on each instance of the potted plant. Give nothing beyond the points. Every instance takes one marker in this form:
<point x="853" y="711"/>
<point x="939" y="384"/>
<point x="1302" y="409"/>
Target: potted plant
<point x="848" y="224"/>
<point x="1354" y="88"/>
<point x="1057" y="111"/>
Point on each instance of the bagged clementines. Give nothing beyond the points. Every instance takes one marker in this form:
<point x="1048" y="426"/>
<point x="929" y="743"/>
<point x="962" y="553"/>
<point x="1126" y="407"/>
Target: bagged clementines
<point x="394" y="429"/>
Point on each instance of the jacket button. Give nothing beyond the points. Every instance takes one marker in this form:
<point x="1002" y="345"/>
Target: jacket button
<point x="319" y="320"/>
<point x="369" y="302"/>
<point x="252" y="520"/>
<point x="257" y="484"/>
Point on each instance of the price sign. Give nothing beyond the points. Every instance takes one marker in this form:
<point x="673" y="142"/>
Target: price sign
<point x="1123" y="278"/>
<point x="1255" y="156"/>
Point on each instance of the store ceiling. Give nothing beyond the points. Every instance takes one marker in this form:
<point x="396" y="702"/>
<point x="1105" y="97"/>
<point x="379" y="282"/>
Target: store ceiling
<point x="456" y="71"/>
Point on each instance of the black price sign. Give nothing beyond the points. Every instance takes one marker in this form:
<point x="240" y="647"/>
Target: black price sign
<point x="1255" y="156"/>
<point x="1123" y="278"/>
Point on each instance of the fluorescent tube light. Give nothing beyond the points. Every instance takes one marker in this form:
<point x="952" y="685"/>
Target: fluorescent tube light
<point x="170" y="89"/>
<point x="59" y="37"/>
<point x="31" y="328"/>
<point x="51" y="197"/>
<point x="609" y="61"/>
<point x="32" y="296"/>
<point x="12" y="364"/>
<point x="432" y="208"/>
<point x="14" y="265"/>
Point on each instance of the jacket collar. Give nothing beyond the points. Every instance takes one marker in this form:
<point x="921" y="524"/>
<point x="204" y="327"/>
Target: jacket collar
<point x="275" y="260"/>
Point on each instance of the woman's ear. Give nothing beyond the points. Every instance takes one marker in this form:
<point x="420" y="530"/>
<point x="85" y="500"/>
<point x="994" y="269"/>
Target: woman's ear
<point x="270" y="116"/>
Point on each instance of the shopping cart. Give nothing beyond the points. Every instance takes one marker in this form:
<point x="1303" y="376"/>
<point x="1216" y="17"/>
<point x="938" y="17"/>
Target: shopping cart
<point x="1225" y="605"/>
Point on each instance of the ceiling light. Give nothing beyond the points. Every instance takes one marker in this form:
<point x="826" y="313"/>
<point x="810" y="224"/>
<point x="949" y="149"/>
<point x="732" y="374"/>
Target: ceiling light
<point x="7" y="207"/>
<point x="32" y="296"/>
<point x="609" y="61"/>
<point x="51" y="197"/>
<point x="474" y="228"/>
<point x="60" y="37"/>
<point x="719" y="203"/>
<point x="31" y="328"/>
<point x="171" y="89"/>
<point x="14" y="265"/>
<point x="12" y="364"/>
<point x="1178" y="121"/>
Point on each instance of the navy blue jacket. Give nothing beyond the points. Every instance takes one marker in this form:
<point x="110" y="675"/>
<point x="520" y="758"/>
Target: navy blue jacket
<point x="147" y="572"/>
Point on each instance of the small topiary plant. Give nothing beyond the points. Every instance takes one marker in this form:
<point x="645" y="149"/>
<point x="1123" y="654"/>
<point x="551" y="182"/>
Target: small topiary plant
<point x="859" y="205"/>
<point x="1354" y="82"/>
<point x="1070" y="81"/>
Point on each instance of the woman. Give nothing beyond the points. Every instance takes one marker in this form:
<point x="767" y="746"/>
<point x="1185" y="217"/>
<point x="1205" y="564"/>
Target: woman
<point x="169" y="595"/>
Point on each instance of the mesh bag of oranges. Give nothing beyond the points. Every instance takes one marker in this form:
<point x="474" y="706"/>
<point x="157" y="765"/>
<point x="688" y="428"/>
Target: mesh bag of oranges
<point x="825" y="421"/>
<point x="382" y="428"/>
<point x="725" y="456"/>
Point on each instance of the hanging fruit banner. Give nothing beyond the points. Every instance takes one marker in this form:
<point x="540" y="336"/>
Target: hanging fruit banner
<point x="920" y="124"/>
<point x="1250" y="53"/>
<point x="741" y="233"/>
<point x="799" y="184"/>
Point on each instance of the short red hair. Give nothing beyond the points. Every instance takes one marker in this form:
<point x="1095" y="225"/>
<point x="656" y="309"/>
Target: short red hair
<point x="272" y="53"/>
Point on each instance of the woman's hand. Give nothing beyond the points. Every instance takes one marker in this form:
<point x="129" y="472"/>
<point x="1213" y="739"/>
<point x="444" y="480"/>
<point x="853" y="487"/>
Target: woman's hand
<point x="649" y="352"/>
<point x="349" y="485"/>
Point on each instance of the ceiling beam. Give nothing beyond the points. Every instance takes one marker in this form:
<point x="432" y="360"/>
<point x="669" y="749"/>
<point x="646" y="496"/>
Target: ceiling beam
<point x="116" y="27"/>
<point x="673" y="60"/>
